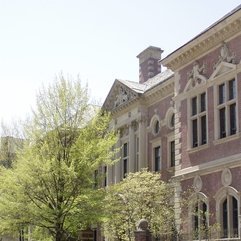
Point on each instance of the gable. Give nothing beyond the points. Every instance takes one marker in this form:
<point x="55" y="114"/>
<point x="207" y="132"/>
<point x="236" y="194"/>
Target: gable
<point x="119" y="95"/>
<point x="222" y="68"/>
<point x="195" y="77"/>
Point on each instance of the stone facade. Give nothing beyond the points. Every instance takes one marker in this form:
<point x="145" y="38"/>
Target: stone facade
<point x="185" y="123"/>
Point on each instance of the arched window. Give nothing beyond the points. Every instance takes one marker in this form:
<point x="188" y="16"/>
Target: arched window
<point x="200" y="220"/>
<point x="170" y="118"/>
<point x="198" y="216"/>
<point x="229" y="217"/>
<point x="228" y="203"/>
<point x="155" y="125"/>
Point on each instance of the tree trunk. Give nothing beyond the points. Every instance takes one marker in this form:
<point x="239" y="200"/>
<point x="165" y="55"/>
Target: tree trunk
<point x="59" y="236"/>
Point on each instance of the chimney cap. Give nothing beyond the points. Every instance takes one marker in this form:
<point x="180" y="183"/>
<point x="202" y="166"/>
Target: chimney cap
<point x="149" y="50"/>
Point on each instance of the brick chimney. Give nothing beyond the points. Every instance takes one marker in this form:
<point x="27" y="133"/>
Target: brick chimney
<point x="149" y="64"/>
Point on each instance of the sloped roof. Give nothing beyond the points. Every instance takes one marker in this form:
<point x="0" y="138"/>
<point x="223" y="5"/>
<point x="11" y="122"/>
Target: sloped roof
<point x="149" y="84"/>
<point x="134" y="89"/>
<point x="154" y="81"/>
<point x="135" y="86"/>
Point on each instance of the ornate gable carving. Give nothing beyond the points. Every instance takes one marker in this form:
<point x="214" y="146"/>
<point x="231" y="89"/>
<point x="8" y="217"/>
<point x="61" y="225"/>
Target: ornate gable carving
<point x="119" y="95"/>
<point x="222" y="68"/>
<point x="123" y="95"/>
<point x="195" y="77"/>
<point x="225" y="55"/>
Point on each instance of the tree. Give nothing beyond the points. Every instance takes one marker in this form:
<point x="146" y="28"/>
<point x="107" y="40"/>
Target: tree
<point x="50" y="186"/>
<point x="140" y="195"/>
<point x="10" y="141"/>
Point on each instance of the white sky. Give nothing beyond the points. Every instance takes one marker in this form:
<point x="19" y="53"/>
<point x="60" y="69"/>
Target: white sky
<point x="97" y="39"/>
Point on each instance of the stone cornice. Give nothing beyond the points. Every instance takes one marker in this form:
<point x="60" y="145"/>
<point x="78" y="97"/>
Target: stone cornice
<point x="210" y="167"/>
<point x="204" y="42"/>
<point x="125" y="107"/>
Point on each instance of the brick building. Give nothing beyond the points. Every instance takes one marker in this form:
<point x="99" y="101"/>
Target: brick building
<point x="185" y="123"/>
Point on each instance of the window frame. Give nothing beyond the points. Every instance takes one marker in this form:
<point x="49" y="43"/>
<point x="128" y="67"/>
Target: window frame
<point x="223" y="108"/>
<point x="197" y="199"/>
<point x="157" y="158"/>
<point x="154" y="123"/>
<point x="154" y="144"/>
<point x="125" y="159"/>
<point x="199" y="219"/>
<point x="226" y="193"/>
<point x="198" y="137"/>
<point x="170" y="138"/>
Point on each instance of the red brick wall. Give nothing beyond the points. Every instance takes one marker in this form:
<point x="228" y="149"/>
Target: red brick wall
<point x="160" y="108"/>
<point x="213" y="151"/>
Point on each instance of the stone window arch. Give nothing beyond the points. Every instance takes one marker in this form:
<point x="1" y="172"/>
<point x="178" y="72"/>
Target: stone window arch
<point x="155" y="125"/>
<point x="170" y="118"/>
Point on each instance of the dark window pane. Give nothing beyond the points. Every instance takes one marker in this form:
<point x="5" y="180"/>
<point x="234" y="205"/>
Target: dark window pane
<point x="105" y="173"/>
<point x="232" y="89"/>
<point x="157" y="158"/>
<point x="157" y="127"/>
<point x="203" y="130"/>
<point x="172" y="120"/>
<point x="194" y="133"/>
<point x="204" y="221"/>
<point x="196" y="223"/>
<point x="172" y="153"/>
<point x="232" y="112"/>
<point x="125" y="150"/>
<point x="221" y="93"/>
<point x="96" y="178"/>
<point x="194" y="106"/>
<point x="225" y="219"/>
<point x="203" y="102"/>
<point x="222" y="123"/>
<point x="235" y="216"/>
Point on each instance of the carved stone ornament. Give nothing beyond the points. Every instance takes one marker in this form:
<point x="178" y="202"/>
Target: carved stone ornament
<point x="226" y="177"/>
<point x="134" y="125"/>
<point x="123" y="96"/>
<point x="142" y="225"/>
<point x="195" y="76"/>
<point x="225" y="56"/>
<point x="197" y="184"/>
<point x="124" y="131"/>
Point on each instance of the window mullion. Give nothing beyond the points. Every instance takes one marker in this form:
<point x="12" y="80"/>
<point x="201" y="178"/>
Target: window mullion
<point x="229" y="216"/>
<point x="227" y="122"/>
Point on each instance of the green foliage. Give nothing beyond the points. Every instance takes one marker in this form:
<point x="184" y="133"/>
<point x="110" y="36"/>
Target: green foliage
<point x="50" y="186"/>
<point x="140" y="195"/>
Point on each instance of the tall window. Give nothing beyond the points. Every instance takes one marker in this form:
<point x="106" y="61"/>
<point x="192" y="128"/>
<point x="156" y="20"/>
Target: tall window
<point x="172" y="153"/>
<point x="198" y="120"/>
<point x="226" y="108"/>
<point x="95" y="178"/>
<point x="229" y="217"/>
<point x="105" y="176"/>
<point x="199" y="221"/>
<point x="125" y="159"/>
<point x="157" y="158"/>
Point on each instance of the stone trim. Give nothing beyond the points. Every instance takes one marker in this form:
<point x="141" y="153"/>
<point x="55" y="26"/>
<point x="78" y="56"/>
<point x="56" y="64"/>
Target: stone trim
<point x="203" y="43"/>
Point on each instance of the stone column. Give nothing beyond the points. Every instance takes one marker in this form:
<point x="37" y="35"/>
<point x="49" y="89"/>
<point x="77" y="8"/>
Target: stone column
<point x="142" y="144"/>
<point x="110" y="175"/>
<point x="118" y="164"/>
<point x="131" y="148"/>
